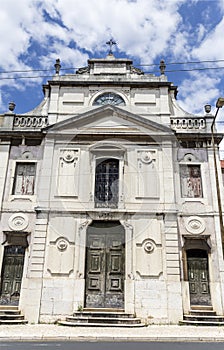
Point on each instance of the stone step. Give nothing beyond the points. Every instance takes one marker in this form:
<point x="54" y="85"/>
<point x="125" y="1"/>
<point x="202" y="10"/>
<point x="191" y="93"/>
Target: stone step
<point x="205" y="318"/>
<point x="12" y="322"/>
<point x="78" y="324"/>
<point x="201" y="323"/>
<point x="201" y="307"/>
<point x="11" y="317"/>
<point x="9" y="312"/>
<point x="9" y="307"/>
<point x="202" y="313"/>
<point x="111" y="310"/>
<point x="94" y="314"/>
<point x="101" y="320"/>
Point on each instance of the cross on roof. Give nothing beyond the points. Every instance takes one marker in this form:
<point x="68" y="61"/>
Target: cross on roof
<point x="111" y="42"/>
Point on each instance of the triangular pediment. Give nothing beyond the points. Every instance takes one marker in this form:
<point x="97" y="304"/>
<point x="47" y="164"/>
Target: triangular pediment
<point x="108" y="119"/>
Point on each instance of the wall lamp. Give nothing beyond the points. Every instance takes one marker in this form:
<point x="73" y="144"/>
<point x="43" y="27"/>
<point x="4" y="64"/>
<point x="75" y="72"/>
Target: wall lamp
<point x="219" y="104"/>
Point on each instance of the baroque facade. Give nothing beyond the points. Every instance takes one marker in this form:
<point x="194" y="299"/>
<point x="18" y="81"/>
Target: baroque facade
<point x="108" y="199"/>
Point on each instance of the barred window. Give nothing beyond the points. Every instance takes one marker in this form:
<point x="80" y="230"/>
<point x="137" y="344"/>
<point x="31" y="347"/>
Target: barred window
<point x="24" y="179"/>
<point x="191" y="184"/>
<point x="106" y="183"/>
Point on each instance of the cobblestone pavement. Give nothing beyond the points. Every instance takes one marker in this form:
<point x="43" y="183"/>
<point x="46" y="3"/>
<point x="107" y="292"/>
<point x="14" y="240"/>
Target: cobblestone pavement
<point x="150" y="333"/>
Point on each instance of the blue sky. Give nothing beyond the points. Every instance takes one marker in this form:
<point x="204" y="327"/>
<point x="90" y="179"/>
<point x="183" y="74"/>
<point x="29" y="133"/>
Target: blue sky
<point x="34" y="33"/>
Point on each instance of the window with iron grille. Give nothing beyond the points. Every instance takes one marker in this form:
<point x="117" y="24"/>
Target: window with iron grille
<point x="24" y="179"/>
<point x="106" y="183"/>
<point x="191" y="183"/>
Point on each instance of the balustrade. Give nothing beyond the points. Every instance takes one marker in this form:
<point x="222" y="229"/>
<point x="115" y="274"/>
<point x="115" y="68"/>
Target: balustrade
<point x="30" y="122"/>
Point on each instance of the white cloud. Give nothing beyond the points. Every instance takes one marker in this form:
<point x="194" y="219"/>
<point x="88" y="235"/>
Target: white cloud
<point x="36" y="32"/>
<point x="212" y="46"/>
<point x="142" y="27"/>
<point x="197" y="90"/>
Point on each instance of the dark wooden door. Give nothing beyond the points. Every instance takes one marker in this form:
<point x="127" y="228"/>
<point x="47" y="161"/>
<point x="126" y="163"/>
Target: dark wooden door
<point x="11" y="276"/>
<point x="105" y="266"/>
<point x="198" y="278"/>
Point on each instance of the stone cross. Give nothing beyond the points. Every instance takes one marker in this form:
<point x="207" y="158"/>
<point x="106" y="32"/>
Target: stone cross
<point x="111" y="43"/>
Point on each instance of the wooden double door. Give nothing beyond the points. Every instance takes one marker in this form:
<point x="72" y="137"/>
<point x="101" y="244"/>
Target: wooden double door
<point x="198" y="277"/>
<point x="105" y="265"/>
<point x="11" y="275"/>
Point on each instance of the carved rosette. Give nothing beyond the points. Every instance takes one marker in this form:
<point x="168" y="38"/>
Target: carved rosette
<point x="69" y="156"/>
<point x="149" y="246"/>
<point x="62" y="244"/>
<point x="146" y="157"/>
<point x="195" y="225"/>
<point x="18" y="222"/>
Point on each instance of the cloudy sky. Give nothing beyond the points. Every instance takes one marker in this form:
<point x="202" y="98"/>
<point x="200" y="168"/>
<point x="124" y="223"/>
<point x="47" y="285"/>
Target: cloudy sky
<point x="188" y="34"/>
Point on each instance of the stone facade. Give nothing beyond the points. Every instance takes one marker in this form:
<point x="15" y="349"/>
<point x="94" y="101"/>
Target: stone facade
<point x="109" y="152"/>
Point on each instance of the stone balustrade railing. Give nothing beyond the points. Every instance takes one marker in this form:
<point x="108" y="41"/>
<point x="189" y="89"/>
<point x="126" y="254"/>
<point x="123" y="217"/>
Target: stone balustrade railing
<point x="188" y="123"/>
<point x="30" y="122"/>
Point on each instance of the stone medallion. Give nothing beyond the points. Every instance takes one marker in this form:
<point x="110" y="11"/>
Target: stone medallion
<point x="18" y="222"/>
<point x="69" y="156"/>
<point x="62" y="244"/>
<point x="149" y="246"/>
<point x="195" y="225"/>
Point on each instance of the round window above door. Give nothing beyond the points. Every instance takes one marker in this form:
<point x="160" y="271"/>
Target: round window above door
<point x="109" y="98"/>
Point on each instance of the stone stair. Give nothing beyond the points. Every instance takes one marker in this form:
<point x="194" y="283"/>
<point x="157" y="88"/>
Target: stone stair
<point x="11" y="315"/>
<point x="101" y="318"/>
<point x="202" y="316"/>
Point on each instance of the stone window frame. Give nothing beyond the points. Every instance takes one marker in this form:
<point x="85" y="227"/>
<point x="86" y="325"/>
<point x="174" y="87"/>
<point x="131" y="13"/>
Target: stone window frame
<point x="26" y="176"/>
<point x="108" y="151"/>
<point x="97" y="93"/>
<point x="190" y="159"/>
<point x="201" y="182"/>
<point x="30" y="197"/>
<point x="109" y="189"/>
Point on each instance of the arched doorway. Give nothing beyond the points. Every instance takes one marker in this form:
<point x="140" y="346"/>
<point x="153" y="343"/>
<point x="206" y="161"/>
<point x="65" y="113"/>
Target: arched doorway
<point x="105" y="265"/>
<point x="198" y="277"/>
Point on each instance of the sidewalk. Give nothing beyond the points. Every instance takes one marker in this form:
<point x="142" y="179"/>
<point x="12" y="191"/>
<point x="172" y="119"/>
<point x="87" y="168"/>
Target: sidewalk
<point x="150" y="333"/>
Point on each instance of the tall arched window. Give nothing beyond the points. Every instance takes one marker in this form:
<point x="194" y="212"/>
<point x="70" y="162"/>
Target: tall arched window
<point x="106" y="183"/>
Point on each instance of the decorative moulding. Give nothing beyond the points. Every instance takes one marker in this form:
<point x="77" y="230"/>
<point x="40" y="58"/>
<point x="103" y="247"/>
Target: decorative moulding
<point x="69" y="155"/>
<point x="149" y="246"/>
<point x="195" y="225"/>
<point x="62" y="244"/>
<point x="18" y="222"/>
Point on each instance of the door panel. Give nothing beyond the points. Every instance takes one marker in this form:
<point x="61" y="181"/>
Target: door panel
<point x="105" y="267"/>
<point x="199" y="280"/>
<point x="11" y="277"/>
